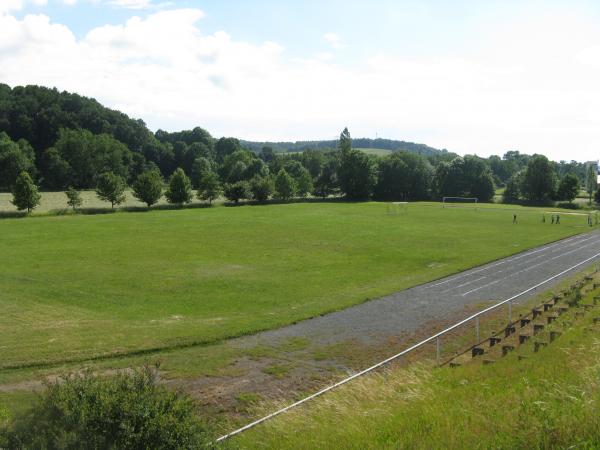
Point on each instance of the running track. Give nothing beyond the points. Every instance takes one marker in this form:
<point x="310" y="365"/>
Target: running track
<point x="406" y="311"/>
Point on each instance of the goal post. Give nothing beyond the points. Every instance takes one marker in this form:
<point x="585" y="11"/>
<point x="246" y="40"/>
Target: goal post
<point x="396" y="207"/>
<point x="453" y="201"/>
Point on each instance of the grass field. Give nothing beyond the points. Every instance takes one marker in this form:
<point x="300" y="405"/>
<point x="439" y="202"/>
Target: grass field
<point x="548" y="400"/>
<point x="76" y="287"/>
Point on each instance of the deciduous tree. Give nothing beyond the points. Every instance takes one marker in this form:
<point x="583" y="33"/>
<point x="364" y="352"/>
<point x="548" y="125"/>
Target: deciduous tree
<point x="180" y="188"/>
<point x="111" y="188"/>
<point x="74" y="199"/>
<point x="25" y="193"/>
<point x="148" y="187"/>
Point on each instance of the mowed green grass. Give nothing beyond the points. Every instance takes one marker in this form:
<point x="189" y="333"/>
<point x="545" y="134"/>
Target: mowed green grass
<point x="75" y="287"/>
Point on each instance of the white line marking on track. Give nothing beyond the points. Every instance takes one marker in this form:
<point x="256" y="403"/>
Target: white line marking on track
<point x="520" y="272"/>
<point x="504" y="261"/>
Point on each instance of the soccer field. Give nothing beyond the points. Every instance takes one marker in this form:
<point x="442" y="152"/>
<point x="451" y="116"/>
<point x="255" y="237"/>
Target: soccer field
<point x="76" y="287"/>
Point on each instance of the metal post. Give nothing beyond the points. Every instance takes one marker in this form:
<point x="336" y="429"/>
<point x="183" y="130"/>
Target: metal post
<point x="437" y="350"/>
<point x="510" y="312"/>
<point x="477" y="328"/>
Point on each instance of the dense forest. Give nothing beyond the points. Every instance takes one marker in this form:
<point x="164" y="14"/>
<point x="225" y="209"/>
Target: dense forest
<point x="63" y="140"/>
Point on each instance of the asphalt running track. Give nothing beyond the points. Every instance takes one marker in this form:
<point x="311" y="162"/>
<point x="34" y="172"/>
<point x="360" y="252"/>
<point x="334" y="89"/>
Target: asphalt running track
<point x="405" y="312"/>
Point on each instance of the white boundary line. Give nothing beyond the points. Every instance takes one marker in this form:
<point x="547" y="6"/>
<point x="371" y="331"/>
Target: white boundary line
<point x="397" y="355"/>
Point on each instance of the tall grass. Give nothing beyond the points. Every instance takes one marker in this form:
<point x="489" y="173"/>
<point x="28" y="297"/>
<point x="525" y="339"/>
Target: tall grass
<point x="550" y="400"/>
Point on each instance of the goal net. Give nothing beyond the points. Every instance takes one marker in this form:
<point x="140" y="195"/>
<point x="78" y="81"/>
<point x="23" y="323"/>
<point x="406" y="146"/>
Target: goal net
<point x="448" y="202"/>
<point x="396" y="207"/>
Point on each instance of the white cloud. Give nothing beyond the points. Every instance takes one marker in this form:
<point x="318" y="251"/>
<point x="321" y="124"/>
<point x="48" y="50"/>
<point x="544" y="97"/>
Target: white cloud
<point x="10" y="5"/>
<point x="69" y="2"/>
<point x="529" y="85"/>
<point x="131" y="4"/>
<point x="334" y="40"/>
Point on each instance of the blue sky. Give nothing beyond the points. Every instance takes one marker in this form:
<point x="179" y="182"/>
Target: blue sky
<point x="471" y="76"/>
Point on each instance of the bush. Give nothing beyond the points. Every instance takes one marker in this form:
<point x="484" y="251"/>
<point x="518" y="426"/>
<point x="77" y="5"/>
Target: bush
<point x="237" y="191"/>
<point x="568" y="205"/>
<point x="262" y="188"/>
<point x="121" y="412"/>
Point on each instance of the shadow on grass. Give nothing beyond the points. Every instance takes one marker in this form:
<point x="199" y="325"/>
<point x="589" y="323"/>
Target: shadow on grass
<point x="169" y="207"/>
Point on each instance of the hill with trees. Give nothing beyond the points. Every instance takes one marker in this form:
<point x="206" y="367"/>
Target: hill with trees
<point x="64" y="140"/>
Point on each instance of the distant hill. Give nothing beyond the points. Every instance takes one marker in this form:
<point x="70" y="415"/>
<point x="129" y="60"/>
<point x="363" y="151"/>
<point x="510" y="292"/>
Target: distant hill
<point x="362" y="143"/>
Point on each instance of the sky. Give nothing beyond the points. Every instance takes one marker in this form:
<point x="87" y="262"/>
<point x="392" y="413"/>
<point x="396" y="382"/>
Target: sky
<point x="480" y="77"/>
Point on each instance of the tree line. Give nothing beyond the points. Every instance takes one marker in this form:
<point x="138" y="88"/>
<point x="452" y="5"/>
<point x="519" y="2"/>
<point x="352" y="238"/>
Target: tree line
<point x="62" y="141"/>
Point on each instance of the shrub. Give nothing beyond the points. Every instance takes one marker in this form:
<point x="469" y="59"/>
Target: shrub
<point x="237" y="191"/>
<point x="262" y="188"/>
<point x="121" y="412"/>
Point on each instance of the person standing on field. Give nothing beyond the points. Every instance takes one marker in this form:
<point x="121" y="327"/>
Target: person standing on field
<point x="557" y="219"/>
<point x="514" y="218"/>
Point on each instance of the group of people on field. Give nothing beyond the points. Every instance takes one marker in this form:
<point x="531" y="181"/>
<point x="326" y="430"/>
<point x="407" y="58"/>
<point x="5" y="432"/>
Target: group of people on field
<point x="555" y="219"/>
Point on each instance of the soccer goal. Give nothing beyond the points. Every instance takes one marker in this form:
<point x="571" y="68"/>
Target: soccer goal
<point x="394" y="208"/>
<point x="453" y="202"/>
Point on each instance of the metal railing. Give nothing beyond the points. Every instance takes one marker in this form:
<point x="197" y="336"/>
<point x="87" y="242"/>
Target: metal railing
<point x="435" y="337"/>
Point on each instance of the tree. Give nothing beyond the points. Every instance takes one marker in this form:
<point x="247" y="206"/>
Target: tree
<point x="345" y="142"/>
<point x="262" y="188"/>
<point x="539" y="180"/>
<point x="226" y="146"/>
<point x="148" y="187"/>
<point x="403" y="176"/>
<point x="597" y="196"/>
<point x="304" y="183"/>
<point x="25" y="193"/>
<point x="209" y="187"/>
<point x="88" y="155"/>
<point x="129" y="410"/>
<point x="201" y="166"/>
<point x="591" y="181"/>
<point x="267" y="154"/>
<point x="57" y="172"/>
<point x="467" y="176"/>
<point x="180" y="188"/>
<point x="237" y="191"/>
<point x="512" y="192"/>
<point x="111" y="188"/>
<point x="326" y="182"/>
<point x="74" y="199"/>
<point x="285" y="186"/>
<point x="568" y="187"/>
<point x="356" y="174"/>
<point x="15" y="158"/>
